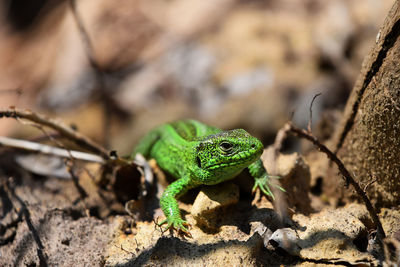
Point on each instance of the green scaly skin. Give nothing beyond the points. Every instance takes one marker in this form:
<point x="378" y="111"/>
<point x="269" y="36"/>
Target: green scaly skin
<point x="196" y="154"/>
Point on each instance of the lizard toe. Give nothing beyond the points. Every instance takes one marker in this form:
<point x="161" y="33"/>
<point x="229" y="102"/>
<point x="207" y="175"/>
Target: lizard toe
<point x="178" y="225"/>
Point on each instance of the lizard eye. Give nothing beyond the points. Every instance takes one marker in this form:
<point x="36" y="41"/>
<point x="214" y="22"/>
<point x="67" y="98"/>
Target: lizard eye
<point x="225" y="146"/>
<point x="198" y="160"/>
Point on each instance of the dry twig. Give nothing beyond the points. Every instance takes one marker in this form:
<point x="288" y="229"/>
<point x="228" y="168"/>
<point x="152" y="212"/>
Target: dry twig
<point x="64" y="130"/>
<point x="310" y="119"/>
<point x="40" y="121"/>
<point x="98" y="70"/>
<point x="82" y="193"/>
<point x="343" y="170"/>
<point x="49" y="150"/>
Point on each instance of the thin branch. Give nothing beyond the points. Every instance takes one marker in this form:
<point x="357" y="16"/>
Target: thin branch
<point x="125" y="250"/>
<point x="84" y="35"/>
<point x="75" y="180"/>
<point x="64" y="130"/>
<point x="100" y="75"/>
<point x="17" y="91"/>
<point x="343" y="170"/>
<point x="374" y="179"/>
<point x="55" y="151"/>
<point x="69" y="163"/>
<point x="310" y="119"/>
<point x="49" y="150"/>
<point x="39" y="122"/>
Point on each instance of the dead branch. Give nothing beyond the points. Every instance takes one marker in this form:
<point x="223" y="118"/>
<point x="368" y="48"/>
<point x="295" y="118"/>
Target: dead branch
<point x="310" y="119"/>
<point x="84" y="35"/>
<point x="343" y="170"/>
<point x="64" y="130"/>
<point x="17" y="91"/>
<point x="69" y="163"/>
<point x="40" y="121"/>
<point x="98" y="70"/>
<point x="49" y="150"/>
<point x="79" y="188"/>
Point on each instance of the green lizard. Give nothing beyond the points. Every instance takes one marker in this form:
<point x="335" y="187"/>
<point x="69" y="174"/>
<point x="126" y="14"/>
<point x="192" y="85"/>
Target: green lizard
<point x="197" y="154"/>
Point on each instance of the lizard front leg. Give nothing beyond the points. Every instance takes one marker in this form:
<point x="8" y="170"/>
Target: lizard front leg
<point x="262" y="178"/>
<point x="169" y="204"/>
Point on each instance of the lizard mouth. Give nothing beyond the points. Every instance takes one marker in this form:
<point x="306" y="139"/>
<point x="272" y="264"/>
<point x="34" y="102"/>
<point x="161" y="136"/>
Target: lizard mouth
<point x="243" y="158"/>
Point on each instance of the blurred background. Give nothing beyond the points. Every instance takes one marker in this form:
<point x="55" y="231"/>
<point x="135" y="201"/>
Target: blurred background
<point x="231" y="63"/>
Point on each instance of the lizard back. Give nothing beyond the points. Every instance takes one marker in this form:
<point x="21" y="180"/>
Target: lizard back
<point x="191" y="130"/>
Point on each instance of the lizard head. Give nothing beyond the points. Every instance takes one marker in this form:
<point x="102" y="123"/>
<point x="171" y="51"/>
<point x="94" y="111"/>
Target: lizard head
<point x="223" y="155"/>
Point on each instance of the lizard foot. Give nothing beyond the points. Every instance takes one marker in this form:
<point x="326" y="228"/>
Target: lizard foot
<point x="263" y="183"/>
<point x="179" y="225"/>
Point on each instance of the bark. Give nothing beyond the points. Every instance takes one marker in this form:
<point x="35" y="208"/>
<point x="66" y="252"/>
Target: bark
<point x="368" y="139"/>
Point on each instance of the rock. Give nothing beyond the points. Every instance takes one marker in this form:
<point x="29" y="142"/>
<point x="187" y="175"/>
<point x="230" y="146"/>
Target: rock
<point x="295" y="174"/>
<point x="392" y="251"/>
<point x="391" y="221"/>
<point x="295" y="179"/>
<point x="335" y="235"/>
<point x="149" y="247"/>
<point x="286" y="239"/>
<point x="211" y="203"/>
